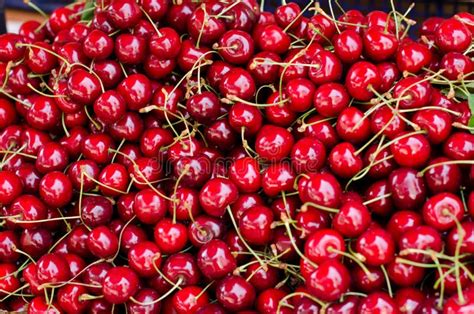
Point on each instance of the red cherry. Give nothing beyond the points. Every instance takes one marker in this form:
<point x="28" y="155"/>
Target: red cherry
<point x="377" y="302"/>
<point x="278" y="178"/>
<point x="453" y="35"/>
<point x="376" y="246"/>
<point x="330" y="99"/>
<point x="412" y="57"/>
<point x="11" y="187"/>
<point x="323" y="189"/>
<point x="415" y="91"/>
<point x="352" y="126"/>
<point x="443" y="210"/>
<point x="405" y="275"/>
<point x="379" y="45"/>
<point x="421" y="238"/>
<point x="170" y="237"/>
<point x="189" y="300"/>
<point x="237" y="83"/>
<point x="255" y="224"/>
<point x="344" y="161"/>
<point x="320" y="28"/>
<point x="389" y="74"/>
<point x="235" y="294"/>
<point x="102" y="242"/>
<point x="368" y="281"/>
<point x="216" y="195"/>
<point x="402" y="221"/>
<point x="361" y="77"/>
<point x="215" y="259"/>
<point x="55" y="189"/>
<point x="326" y="67"/>
<point x="329" y="281"/>
<point x="52" y="268"/>
<point x="308" y="155"/>
<point x="456" y="65"/>
<point x="273" y="143"/>
<point x="120" y="283"/>
<point x="348" y="46"/>
<point x="245" y="174"/>
<point x="323" y="245"/>
<point x="150" y="206"/>
<point x="144" y="258"/>
<point x="407" y="188"/>
<point x="411" y="151"/>
<point x="83" y="87"/>
<point x="352" y="219"/>
<point x="272" y="38"/>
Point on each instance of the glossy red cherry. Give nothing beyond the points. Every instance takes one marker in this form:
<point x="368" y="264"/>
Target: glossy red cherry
<point x="352" y="219"/>
<point x="144" y="258"/>
<point x="415" y="92"/>
<point x="255" y="225"/>
<point x="102" y="242"/>
<point x="83" y="87"/>
<point x="120" y="283"/>
<point x="379" y="45"/>
<point x="273" y="143"/>
<point x="352" y="126"/>
<point x="402" y="221"/>
<point x="421" y="238"/>
<point x="412" y="57"/>
<point x="453" y="35"/>
<point x="323" y="245"/>
<point x="130" y="49"/>
<point x="204" y="107"/>
<point x="405" y="275"/>
<point x="407" y="188"/>
<point x="308" y="155"/>
<point x="330" y="99"/>
<point x="237" y="83"/>
<point x="170" y="237"/>
<point x="39" y="59"/>
<point x="348" y="46"/>
<point x="278" y="178"/>
<point x="322" y="189"/>
<point x="272" y="38"/>
<point x="389" y="74"/>
<point x="124" y="13"/>
<point x="98" y="45"/>
<point x="376" y="246"/>
<point x="329" y="281"/>
<point x="52" y="268"/>
<point x="300" y="92"/>
<point x="235" y="294"/>
<point x="326" y="67"/>
<point x="190" y="299"/>
<point x="456" y="65"/>
<point x="344" y="161"/>
<point x="11" y="187"/>
<point x="443" y="210"/>
<point x="150" y="206"/>
<point x="411" y="151"/>
<point x="216" y="195"/>
<point x="110" y="107"/>
<point x="245" y="174"/>
<point x="215" y="259"/>
<point x="55" y="189"/>
<point x="377" y="302"/>
<point x="361" y="78"/>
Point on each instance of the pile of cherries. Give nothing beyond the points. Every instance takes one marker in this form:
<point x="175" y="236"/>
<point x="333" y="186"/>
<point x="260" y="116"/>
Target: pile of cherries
<point x="162" y="156"/>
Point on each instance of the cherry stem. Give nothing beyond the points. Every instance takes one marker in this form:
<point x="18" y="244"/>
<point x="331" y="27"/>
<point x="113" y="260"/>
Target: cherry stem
<point x="357" y="258"/>
<point x="305" y="206"/>
<point x="164" y="296"/>
<point x="237" y="230"/>
<point x="387" y="280"/>
<point x="376" y="199"/>
<point x="421" y="173"/>
<point x="310" y="3"/>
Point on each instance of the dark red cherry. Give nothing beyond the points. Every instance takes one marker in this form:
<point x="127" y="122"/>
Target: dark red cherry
<point x="96" y="210"/>
<point x="352" y="126"/>
<point x="124" y="13"/>
<point x="330" y="99"/>
<point x="98" y="45"/>
<point x="236" y="47"/>
<point x="412" y="57"/>
<point x="102" y="242"/>
<point x="443" y="210"/>
<point x="323" y="245"/>
<point x="204" y="107"/>
<point x="325" y="68"/>
<point x="247" y="117"/>
<point x="144" y="258"/>
<point x="278" y="178"/>
<point x="352" y="219"/>
<point x="273" y="38"/>
<point x="39" y="58"/>
<point x="237" y="84"/>
<point x="407" y="188"/>
<point x="442" y="176"/>
<point x="411" y="151"/>
<point x="403" y="274"/>
<point x="320" y="29"/>
<point x="97" y="148"/>
<point x="215" y="259"/>
<point x="402" y="221"/>
<point x="415" y="92"/>
<point x="43" y="114"/>
<point x="420" y="238"/>
<point x="344" y="161"/>
<point x="52" y="268"/>
<point x="459" y="146"/>
<point x="255" y="225"/>
<point x="263" y="67"/>
<point x="130" y="49"/>
<point x="83" y="87"/>
<point x="150" y="206"/>
<point x="245" y="173"/>
<point x="377" y="302"/>
<point x="273" y="143"/>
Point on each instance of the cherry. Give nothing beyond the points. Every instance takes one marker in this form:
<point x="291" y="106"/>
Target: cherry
<point x="459" y="146"/>
<point x="376" y="246"/>
<point x="183" y="267"/>
<point x="348" y="46"/>
<point x="215" y="259"/>
<point x="311" y="221"/>
<point x="323" y="245"/>
<point x="268" y="301"/>
<point x="236" y="47"/>
<point x="204" y="107"/>
<point x="51" y="268"/>
<point x="102" y="242"/>
<point x="40" y="305"/>
<point x="308" y="155"/>
<point x="26" y="210"/>
<point x="405" y="275"/>
<point x="245" y="116"/>
<point x="43" y="114"/>
<point x="389" y="74"/>
<point x="261" y="278"/>
<point x="351" y="125"/>
<point x="416" y="92"/>
<point x="10" y="50"/>
<point x="437" y="123"/>
<point x="39" y="60"/>
<point x="96" y="210"/>
<point x="110" y="107"/>
<point x="326" y="68"/>
<point x="186" y="205"/>
<point x="120" y="283"/>
<point x="32" y="30"/>
<point x="412" y="57"/>
<point x="190" y="55"/>
<point x="409" y="300"/>
<point x="343" y="160"/>
<point x="136" y="90"/>
<point x="69" y="298"/>
<point x="144" y="258"/>
<point x="245" y="174"/>
<point x="278" y="178"/>
<point x="145" y="298"/>
<point x="55" y="189"/>
<point x="235" y="294"/>
<point x="130" y="49"/>
<point x="320" y="28"/>
<point x="11" y="187"/>
<point x="402" y="221"/>
<point x="329" y="281"/>
<point x="109" y="72"/>
<point x="273" y="38"/>
<point x="361" y="78"/>
<point x="330" y="99"/>
<point x="216" y="195"/>
<point x="411" y="151"/>
<point x="452" y="35"/>
<point x="97" y="147"/>
<point x="83" y="87"/>
<point x="323" y="189"/>
<point x="421" y="238"/>
<point x="443" y="210"/>
<point x="368" y="281"/>
<point x="377" y="302"/>
<point x="407" y="188"/>
<point x="255" y="224"/>
<point x="170" y="237"/>
<point x="150" y="206"/>
<point x="352" y="219"/>
<point x="273" y="143"/>
<point x="300" y="92"/>
<point x="379" y="45"/>
<point x="237" y="84"/>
